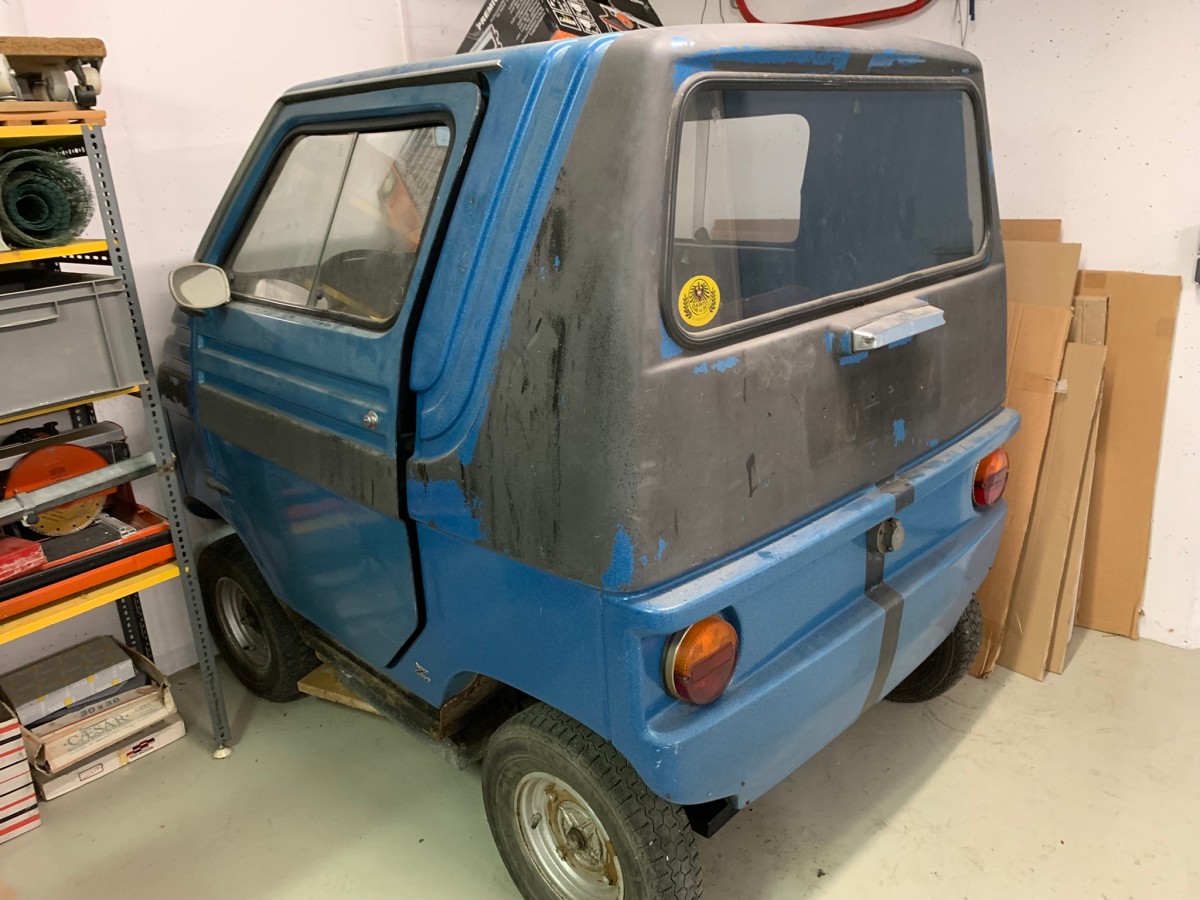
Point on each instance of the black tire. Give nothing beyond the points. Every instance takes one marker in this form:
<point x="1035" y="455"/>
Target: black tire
<point x="948" y="664"/>
<point x="650" y="839"/>
<point x="269" y="667"/>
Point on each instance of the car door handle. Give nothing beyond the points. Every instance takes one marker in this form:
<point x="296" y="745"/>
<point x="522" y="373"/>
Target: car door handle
<point x="897" y="326"/>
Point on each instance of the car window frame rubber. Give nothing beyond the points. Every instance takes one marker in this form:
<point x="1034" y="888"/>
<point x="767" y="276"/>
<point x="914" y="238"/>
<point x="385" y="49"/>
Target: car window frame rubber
<point x="822" y="306"/>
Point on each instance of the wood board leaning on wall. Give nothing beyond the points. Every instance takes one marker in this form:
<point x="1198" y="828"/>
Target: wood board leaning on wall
<point x="1088" y="360"/>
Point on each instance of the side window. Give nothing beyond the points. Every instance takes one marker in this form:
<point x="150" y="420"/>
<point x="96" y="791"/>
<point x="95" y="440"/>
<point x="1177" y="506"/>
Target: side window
<point x="339" y="225"/>
<point x="278" y="253"/>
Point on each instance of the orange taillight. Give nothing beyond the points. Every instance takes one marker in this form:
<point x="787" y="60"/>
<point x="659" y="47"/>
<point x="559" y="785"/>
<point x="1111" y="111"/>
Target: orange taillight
<point x="699" y="661"/>
<point x="991" y="477"/>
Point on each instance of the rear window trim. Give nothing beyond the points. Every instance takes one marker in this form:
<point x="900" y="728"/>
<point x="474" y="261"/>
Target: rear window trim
<point x="824" y="306"/>
<point x="355" y="126"/>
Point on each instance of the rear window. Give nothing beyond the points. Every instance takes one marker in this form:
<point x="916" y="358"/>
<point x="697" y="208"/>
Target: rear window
<point x="788" y="197"/>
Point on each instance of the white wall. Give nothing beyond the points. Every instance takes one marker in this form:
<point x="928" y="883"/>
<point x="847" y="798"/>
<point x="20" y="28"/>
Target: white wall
<point x="185" y="88"/>
<point x="1095" y="117"/>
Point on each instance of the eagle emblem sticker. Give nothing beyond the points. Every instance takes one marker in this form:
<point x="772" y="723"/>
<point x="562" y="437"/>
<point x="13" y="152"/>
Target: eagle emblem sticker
<point x="699" y="301"/>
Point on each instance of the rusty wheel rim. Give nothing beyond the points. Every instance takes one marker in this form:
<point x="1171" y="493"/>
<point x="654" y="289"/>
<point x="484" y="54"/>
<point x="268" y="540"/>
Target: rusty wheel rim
<point x="564" y="840"/>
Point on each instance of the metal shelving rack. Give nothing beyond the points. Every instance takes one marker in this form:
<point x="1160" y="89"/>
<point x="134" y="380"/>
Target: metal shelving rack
<point x="76" y="141"/>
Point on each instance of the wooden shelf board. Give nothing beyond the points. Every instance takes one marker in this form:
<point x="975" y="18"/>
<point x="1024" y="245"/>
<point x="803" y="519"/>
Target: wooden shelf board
<point x="8" y="257"/>
<point x="66" y="404"/>
<point x="84" y="601"/>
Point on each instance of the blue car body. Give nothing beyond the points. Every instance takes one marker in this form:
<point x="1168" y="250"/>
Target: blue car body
<point x="399" y="493"/>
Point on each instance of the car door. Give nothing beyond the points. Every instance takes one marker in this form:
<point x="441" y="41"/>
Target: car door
<point x="298" y="380"/>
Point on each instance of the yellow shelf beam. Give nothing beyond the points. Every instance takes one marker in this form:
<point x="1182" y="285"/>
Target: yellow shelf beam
<point x="8" y="257"/>
<point x="85" y="601"/>
<point x="38" y="132"/>
<point x="59" y="407"/>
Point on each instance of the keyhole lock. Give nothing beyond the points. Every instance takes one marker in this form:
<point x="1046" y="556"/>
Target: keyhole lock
<point x="371" y="420"/>
<point x="889" y="536"/>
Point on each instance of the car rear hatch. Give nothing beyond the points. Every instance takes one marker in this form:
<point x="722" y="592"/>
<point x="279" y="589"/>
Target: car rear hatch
<point x="833" y="301"/>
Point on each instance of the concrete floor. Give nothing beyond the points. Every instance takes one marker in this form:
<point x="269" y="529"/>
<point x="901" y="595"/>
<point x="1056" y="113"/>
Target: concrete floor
<point x="1085" y="786"/>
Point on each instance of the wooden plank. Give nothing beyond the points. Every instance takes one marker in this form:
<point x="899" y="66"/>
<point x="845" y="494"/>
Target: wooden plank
<point x="1068" y="598"/>
<point x="44" y="48"/>
<point x="15" y="114"/>
<point x="32" y="106"/>
<point x="323" y="682"/>
<point x="84" y="601"/>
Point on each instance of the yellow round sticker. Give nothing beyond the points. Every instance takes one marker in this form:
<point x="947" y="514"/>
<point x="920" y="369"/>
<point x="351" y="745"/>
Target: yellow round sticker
<point x="699" y="301"/>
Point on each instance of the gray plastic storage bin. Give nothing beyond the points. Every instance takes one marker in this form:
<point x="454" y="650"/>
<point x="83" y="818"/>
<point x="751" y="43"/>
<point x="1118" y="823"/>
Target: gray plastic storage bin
<point x="63" y="337"/>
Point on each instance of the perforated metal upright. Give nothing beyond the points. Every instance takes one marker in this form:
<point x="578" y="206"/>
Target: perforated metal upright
<point x="160" y="442"/>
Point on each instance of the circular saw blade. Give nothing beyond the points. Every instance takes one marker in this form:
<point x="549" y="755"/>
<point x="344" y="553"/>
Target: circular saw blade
<point x="67" y="519"/>
<point x="48" y="466"/>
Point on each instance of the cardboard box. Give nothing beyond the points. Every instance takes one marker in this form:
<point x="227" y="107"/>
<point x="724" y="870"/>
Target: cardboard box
<point x="18" y="801"/>
<point x="1031" y="229"/>
<point x="1142" y="310"/>
<point x="1038" y="585"/>
<point x="142" y="744"/>
<point x="65" y="678"/>
<point x="504" y="23"/>
<point x="83" y="732"/>
<point x="1040" y="289"/>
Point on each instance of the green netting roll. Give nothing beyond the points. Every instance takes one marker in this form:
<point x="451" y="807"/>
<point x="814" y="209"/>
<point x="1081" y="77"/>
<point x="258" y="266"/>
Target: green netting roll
<point x="44" y="200"/>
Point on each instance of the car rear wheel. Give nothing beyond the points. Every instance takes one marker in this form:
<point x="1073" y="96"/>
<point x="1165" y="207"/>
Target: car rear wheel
<point x="573" y="821"/>
<point x="948" y="664"/>
<point x="256" y="638"/>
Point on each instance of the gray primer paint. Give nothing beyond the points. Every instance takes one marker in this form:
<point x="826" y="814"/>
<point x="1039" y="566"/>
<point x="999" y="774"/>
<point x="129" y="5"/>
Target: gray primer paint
<point x="605" y="462"/>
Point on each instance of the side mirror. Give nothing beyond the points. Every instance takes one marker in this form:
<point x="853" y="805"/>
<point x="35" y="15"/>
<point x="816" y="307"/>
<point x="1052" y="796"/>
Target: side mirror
<point x="199" y="286"/>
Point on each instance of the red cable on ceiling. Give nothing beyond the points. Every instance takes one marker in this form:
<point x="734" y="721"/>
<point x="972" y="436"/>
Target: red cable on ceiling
<point x="878" y="15"/>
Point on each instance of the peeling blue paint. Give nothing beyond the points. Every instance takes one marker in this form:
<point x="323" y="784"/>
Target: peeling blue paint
<point x="542" y="273"/>
<point x="620" y="569"/>
<point x="853" y="358"/>
<point x="933" y="442"/>
<point x="721" y="365"/>
<point x="844" y="343"/>
<point x="897" y="431"/>
<point x="444" y="506"/>
<point x="662" y="548"/>
<point x="557" y="263"/>
<point x="889" y="58"/>
<point x="829" y="342"/>
<point x="894" y="344"/>
<point x="644" y="560"/>
<point x="669" y="349"/>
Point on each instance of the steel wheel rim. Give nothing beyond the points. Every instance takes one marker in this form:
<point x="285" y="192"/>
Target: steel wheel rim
<point x="564" y="840"/>
<point x="242" y="626"/>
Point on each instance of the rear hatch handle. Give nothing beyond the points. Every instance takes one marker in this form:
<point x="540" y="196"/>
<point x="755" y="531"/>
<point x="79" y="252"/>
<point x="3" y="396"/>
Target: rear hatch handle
<point x="896" y="326"/>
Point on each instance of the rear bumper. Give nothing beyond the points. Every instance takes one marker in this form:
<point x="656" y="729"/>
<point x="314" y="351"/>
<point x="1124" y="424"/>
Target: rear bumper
<point x="810" y="646"/>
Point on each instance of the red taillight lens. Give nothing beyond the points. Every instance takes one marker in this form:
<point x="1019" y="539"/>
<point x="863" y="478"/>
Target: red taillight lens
<point x="991" y="477"/>
<point x="699" y="661"/>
